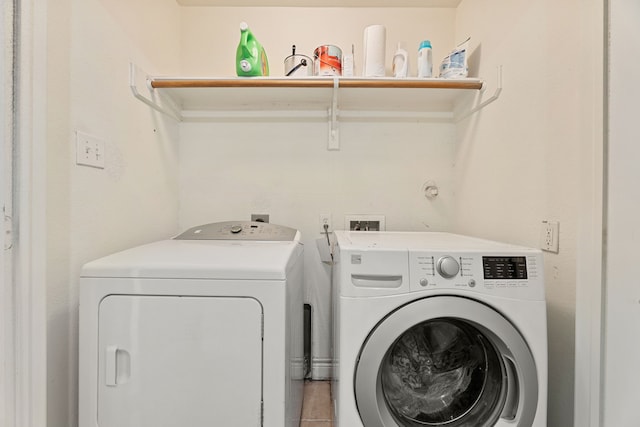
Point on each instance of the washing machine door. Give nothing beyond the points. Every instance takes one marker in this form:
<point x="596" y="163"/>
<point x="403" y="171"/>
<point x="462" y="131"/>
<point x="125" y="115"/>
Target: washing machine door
<point x="446" y="361"/>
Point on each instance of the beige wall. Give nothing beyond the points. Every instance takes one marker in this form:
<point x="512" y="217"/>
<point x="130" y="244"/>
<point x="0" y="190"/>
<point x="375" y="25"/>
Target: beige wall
<point x="211" y="35"/>
<point x="520" y="161"/>
<point x="92" y="212"/>
<point x="501" y="171"/>
<point x="230" y="170"/>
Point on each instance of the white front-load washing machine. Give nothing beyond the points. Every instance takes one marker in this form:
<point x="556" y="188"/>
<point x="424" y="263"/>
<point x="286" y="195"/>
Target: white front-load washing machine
<point x="201" y="330"/>
<point x="438" y="329"/>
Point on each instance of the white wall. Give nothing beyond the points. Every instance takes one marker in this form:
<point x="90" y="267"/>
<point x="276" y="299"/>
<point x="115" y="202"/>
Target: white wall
<point x="622" y="293"/>
<point x="519" y="160"/>
<point x="93" y="212"/>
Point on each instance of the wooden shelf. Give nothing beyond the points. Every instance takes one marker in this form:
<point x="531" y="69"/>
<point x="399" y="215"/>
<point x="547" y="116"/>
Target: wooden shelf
<point x="343" y="82"/>
<point x="194" y="97"/>
<point x="331" y="99"/>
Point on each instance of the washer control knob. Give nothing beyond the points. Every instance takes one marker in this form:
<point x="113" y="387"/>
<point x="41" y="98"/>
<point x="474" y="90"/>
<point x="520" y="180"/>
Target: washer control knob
<point x="235" y="229"/>
<point x="448" y="267"/>
<point x="424" y="281"/>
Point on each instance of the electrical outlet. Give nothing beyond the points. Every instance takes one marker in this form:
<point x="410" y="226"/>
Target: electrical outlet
<point x="325" y="219"/>
<point x="260" y="217"/>
<point x="89" y="150"/>
<point x="550" y="236"/>
<point x="364" y="222"/>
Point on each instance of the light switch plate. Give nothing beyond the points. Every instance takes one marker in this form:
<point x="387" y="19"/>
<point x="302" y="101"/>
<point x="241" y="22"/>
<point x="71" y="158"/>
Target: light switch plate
<point x="89" y="150"/>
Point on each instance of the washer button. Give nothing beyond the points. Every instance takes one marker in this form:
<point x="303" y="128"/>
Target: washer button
<point x="424" y="282"/>
<point x="235" y="229"/>
<point x="472" y="283"/>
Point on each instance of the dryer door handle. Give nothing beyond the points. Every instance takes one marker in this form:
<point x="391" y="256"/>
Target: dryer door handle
<point x="376" y="281"/>
<point x="117" y="366"/>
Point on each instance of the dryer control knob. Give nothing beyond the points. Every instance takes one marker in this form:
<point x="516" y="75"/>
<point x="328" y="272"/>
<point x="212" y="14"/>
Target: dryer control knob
<point x="448" y="267"/>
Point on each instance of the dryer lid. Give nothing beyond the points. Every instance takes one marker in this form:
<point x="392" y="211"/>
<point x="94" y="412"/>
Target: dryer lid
<point x="224" y="250"/>
<point x="200" y="259"/>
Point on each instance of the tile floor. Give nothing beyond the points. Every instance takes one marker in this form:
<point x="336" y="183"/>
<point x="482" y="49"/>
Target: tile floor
<point x="317" y="410"/>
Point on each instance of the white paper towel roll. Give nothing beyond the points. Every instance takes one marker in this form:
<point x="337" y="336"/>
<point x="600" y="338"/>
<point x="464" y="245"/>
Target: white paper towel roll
<point x="375" y="40"/>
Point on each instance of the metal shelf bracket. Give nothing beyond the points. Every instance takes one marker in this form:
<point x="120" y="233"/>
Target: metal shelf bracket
<point x="495" y="96"/>
<point x="333" y="144"/>
<point x="152" y="101"/>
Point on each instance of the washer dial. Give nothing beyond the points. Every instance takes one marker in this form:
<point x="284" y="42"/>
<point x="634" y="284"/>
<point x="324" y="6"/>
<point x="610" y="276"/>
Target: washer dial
<point x="447" y="267"/>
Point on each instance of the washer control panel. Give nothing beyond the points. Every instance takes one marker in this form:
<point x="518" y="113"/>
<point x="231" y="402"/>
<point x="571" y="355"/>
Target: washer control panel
<point x="240" y="230"/>
<point x="499" y="272"/>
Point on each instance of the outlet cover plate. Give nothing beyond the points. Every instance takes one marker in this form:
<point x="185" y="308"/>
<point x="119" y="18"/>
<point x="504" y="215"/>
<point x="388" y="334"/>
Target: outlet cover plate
<point x="550" y="236"/>
<point x="325" y="219"/>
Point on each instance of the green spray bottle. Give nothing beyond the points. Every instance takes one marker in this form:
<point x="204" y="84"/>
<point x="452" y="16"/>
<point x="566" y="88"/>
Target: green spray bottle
<point x="251" y="59"/>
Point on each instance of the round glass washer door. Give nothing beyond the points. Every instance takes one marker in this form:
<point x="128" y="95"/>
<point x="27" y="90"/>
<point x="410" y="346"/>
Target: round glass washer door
<point x="445" y="361"/>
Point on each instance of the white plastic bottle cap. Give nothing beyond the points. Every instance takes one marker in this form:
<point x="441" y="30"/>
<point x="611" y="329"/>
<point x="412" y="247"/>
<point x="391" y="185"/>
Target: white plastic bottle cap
<point x="244" y="26"/>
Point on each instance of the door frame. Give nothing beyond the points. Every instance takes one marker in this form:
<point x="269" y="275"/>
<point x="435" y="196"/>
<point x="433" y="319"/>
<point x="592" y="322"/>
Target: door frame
<point x="6" y="285"/>
<point x="24" y="397"/>
<point x="591" y="233"/>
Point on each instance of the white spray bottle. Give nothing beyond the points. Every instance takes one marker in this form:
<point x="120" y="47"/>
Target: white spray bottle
<point x="400" y="64"/>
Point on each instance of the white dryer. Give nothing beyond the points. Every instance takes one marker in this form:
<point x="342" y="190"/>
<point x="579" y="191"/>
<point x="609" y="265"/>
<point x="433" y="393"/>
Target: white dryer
<point x="437" y="329"/>
<point x="201" y="330"/>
